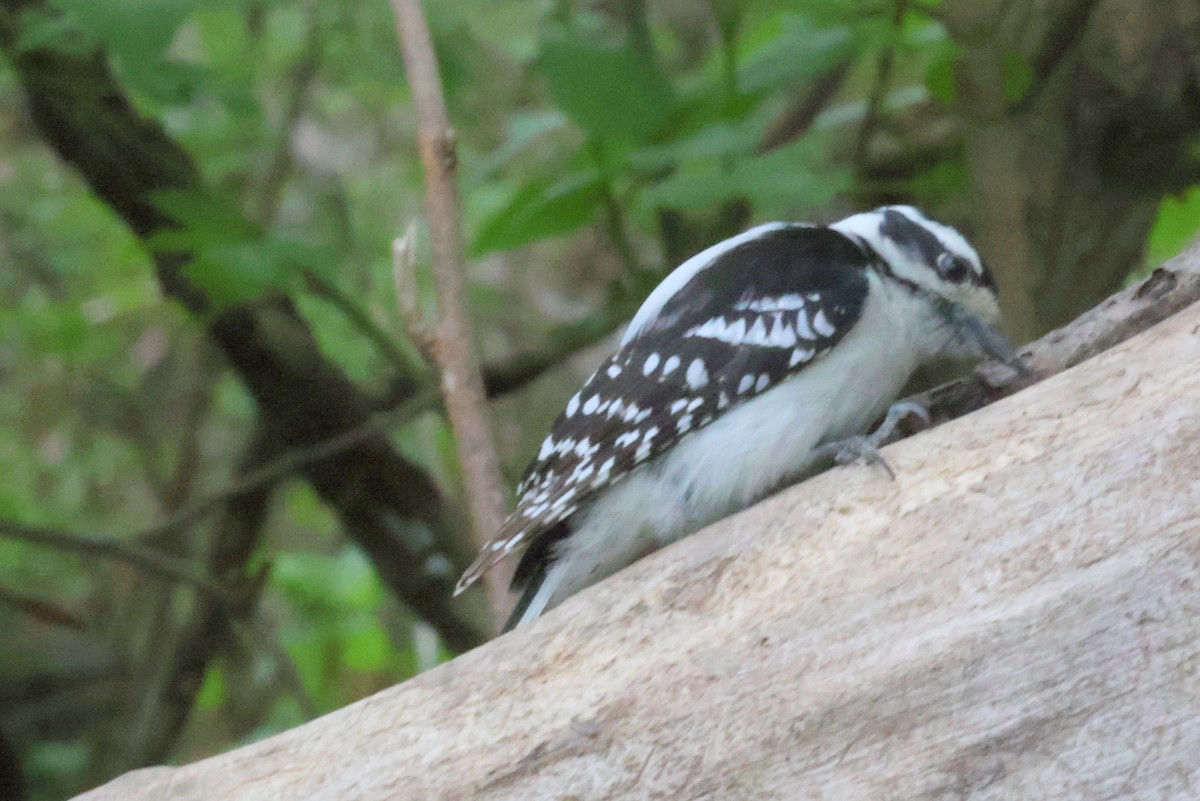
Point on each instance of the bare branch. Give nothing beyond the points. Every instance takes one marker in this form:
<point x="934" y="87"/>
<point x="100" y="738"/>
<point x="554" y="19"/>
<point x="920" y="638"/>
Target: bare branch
<point x="462" y="386"/>
<point x="509" y="376"/>
<point x="797" y="119"/>
<point x="41" y="610"/>
<point x="290" y="462"/>
<point x="143" y="559"/>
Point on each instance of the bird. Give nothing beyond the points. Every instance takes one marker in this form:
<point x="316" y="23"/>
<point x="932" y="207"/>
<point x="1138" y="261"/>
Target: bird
<point x="746" y="366"/>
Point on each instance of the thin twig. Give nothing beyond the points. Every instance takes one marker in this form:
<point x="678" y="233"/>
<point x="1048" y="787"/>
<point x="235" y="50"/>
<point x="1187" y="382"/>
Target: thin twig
<point x="518" y="371"/>
<point x="259" y="632"/>
<point x="798" y="118"/>
<point x="406" y="363"/>
<point x="42" y="610"/>
<point x="462" y="386"/>
<point x="614" y="217"/>
<point x="282" y="160"/>
<point x="177" y="570"/>
<point x="291" y="462"/>
<point x="883" y="76"/>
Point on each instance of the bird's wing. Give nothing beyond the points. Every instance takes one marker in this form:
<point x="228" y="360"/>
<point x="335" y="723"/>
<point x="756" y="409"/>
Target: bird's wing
<point x="758" y="314"/>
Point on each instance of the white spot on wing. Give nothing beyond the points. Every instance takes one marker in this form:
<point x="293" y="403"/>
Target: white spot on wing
<point x="803" y="329"/>
<point x="800" y="355"/>
<point x="651" y="364"/>
<point x="613" y="370"/>
<point x="713" y="328"/>
<point x="644" y="449"/>
<point x="735" y="333"/>
<point x="745" y="384"/>
<point x="757" y="335"/>
<point x="821" y="324"/>
<point x="605" y="471"/>
<point x="547" y="448"/>
<point x="591" y="404"/>
<point x="562" y="499"/>
<point x="762" y="382"/>
<point x="685" y="424"/>
<point x="677" y="406"/>
<point x="670" y="365"/>
<point x="782" y="335"/>
<point x="573" y="405"/>
<point x="628" y="438"/>
<point x="697" y="374"/>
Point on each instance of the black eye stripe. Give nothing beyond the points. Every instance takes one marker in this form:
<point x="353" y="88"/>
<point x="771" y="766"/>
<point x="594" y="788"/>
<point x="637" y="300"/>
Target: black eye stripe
<point x="910" y="236"/>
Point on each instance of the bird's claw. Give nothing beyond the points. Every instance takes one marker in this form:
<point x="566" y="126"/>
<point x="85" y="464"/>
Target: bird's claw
<point x="866" y="447"/>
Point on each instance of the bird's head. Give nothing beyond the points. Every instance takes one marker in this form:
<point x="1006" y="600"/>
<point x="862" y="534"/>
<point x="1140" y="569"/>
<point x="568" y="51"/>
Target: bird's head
<point x="939" y="263"/>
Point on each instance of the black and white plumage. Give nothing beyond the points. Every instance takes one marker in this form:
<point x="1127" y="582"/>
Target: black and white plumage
<point x="733" y="374"/>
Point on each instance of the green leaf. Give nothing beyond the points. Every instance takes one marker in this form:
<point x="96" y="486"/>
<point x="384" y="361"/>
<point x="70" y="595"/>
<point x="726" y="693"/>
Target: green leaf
<point x="524" y="129"/>
<point x="212" y="690"/>
<point x="231" y="261"/>
<point x="345" y="583"/>
<point x="720" y="140"/>
<point x="539" y="210"/>
<point x="789" y="50"/>
<point x="612" y="92"/>
<point x="136" y="30"/>
<point x="1017" y="75"/>
<point x="1177" y="225"/>
<point x="42" y="28"/>
<point x="939" y="77"/>
<point x="367" y="649"/>
<point x="236" y="273"/>
<point x="205" y="219"/>
<point x="784" y="183"/>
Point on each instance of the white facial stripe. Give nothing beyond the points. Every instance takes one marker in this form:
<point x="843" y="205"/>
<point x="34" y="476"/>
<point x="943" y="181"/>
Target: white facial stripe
<point x="865" y="226"/>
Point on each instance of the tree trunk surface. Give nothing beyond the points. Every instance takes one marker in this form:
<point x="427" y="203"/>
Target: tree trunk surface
<point x="1017" y="615"/>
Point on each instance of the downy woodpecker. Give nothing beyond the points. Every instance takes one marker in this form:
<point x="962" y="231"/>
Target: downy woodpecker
<point x="739" y="371"/>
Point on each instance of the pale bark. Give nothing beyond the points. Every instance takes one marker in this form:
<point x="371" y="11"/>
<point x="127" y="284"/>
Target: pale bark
<point x="1016" y="616"/>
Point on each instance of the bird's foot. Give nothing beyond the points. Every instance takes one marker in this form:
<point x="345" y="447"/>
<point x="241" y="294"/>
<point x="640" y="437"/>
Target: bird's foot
<point x="865" y="447"/>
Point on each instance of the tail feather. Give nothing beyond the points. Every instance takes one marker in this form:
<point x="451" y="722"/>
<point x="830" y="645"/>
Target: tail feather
<point x="491" y="555"/>
<point x="537" y="594"/>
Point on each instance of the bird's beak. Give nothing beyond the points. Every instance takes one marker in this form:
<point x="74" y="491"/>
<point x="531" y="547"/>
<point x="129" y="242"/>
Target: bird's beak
<point x="984" y="337"/>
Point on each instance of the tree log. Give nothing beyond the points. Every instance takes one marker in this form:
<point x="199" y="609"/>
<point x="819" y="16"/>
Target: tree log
<point x="1017" y="615"/>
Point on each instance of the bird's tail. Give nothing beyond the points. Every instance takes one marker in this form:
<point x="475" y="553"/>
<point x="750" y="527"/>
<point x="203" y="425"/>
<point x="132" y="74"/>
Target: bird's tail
<point x="537" y="594"/>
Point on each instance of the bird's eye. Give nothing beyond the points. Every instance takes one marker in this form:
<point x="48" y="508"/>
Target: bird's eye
<point x="952" y="268"/>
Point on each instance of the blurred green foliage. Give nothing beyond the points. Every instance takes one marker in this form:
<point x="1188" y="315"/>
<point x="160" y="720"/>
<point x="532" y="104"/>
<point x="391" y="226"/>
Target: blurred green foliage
<point x="585" y="131"/>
